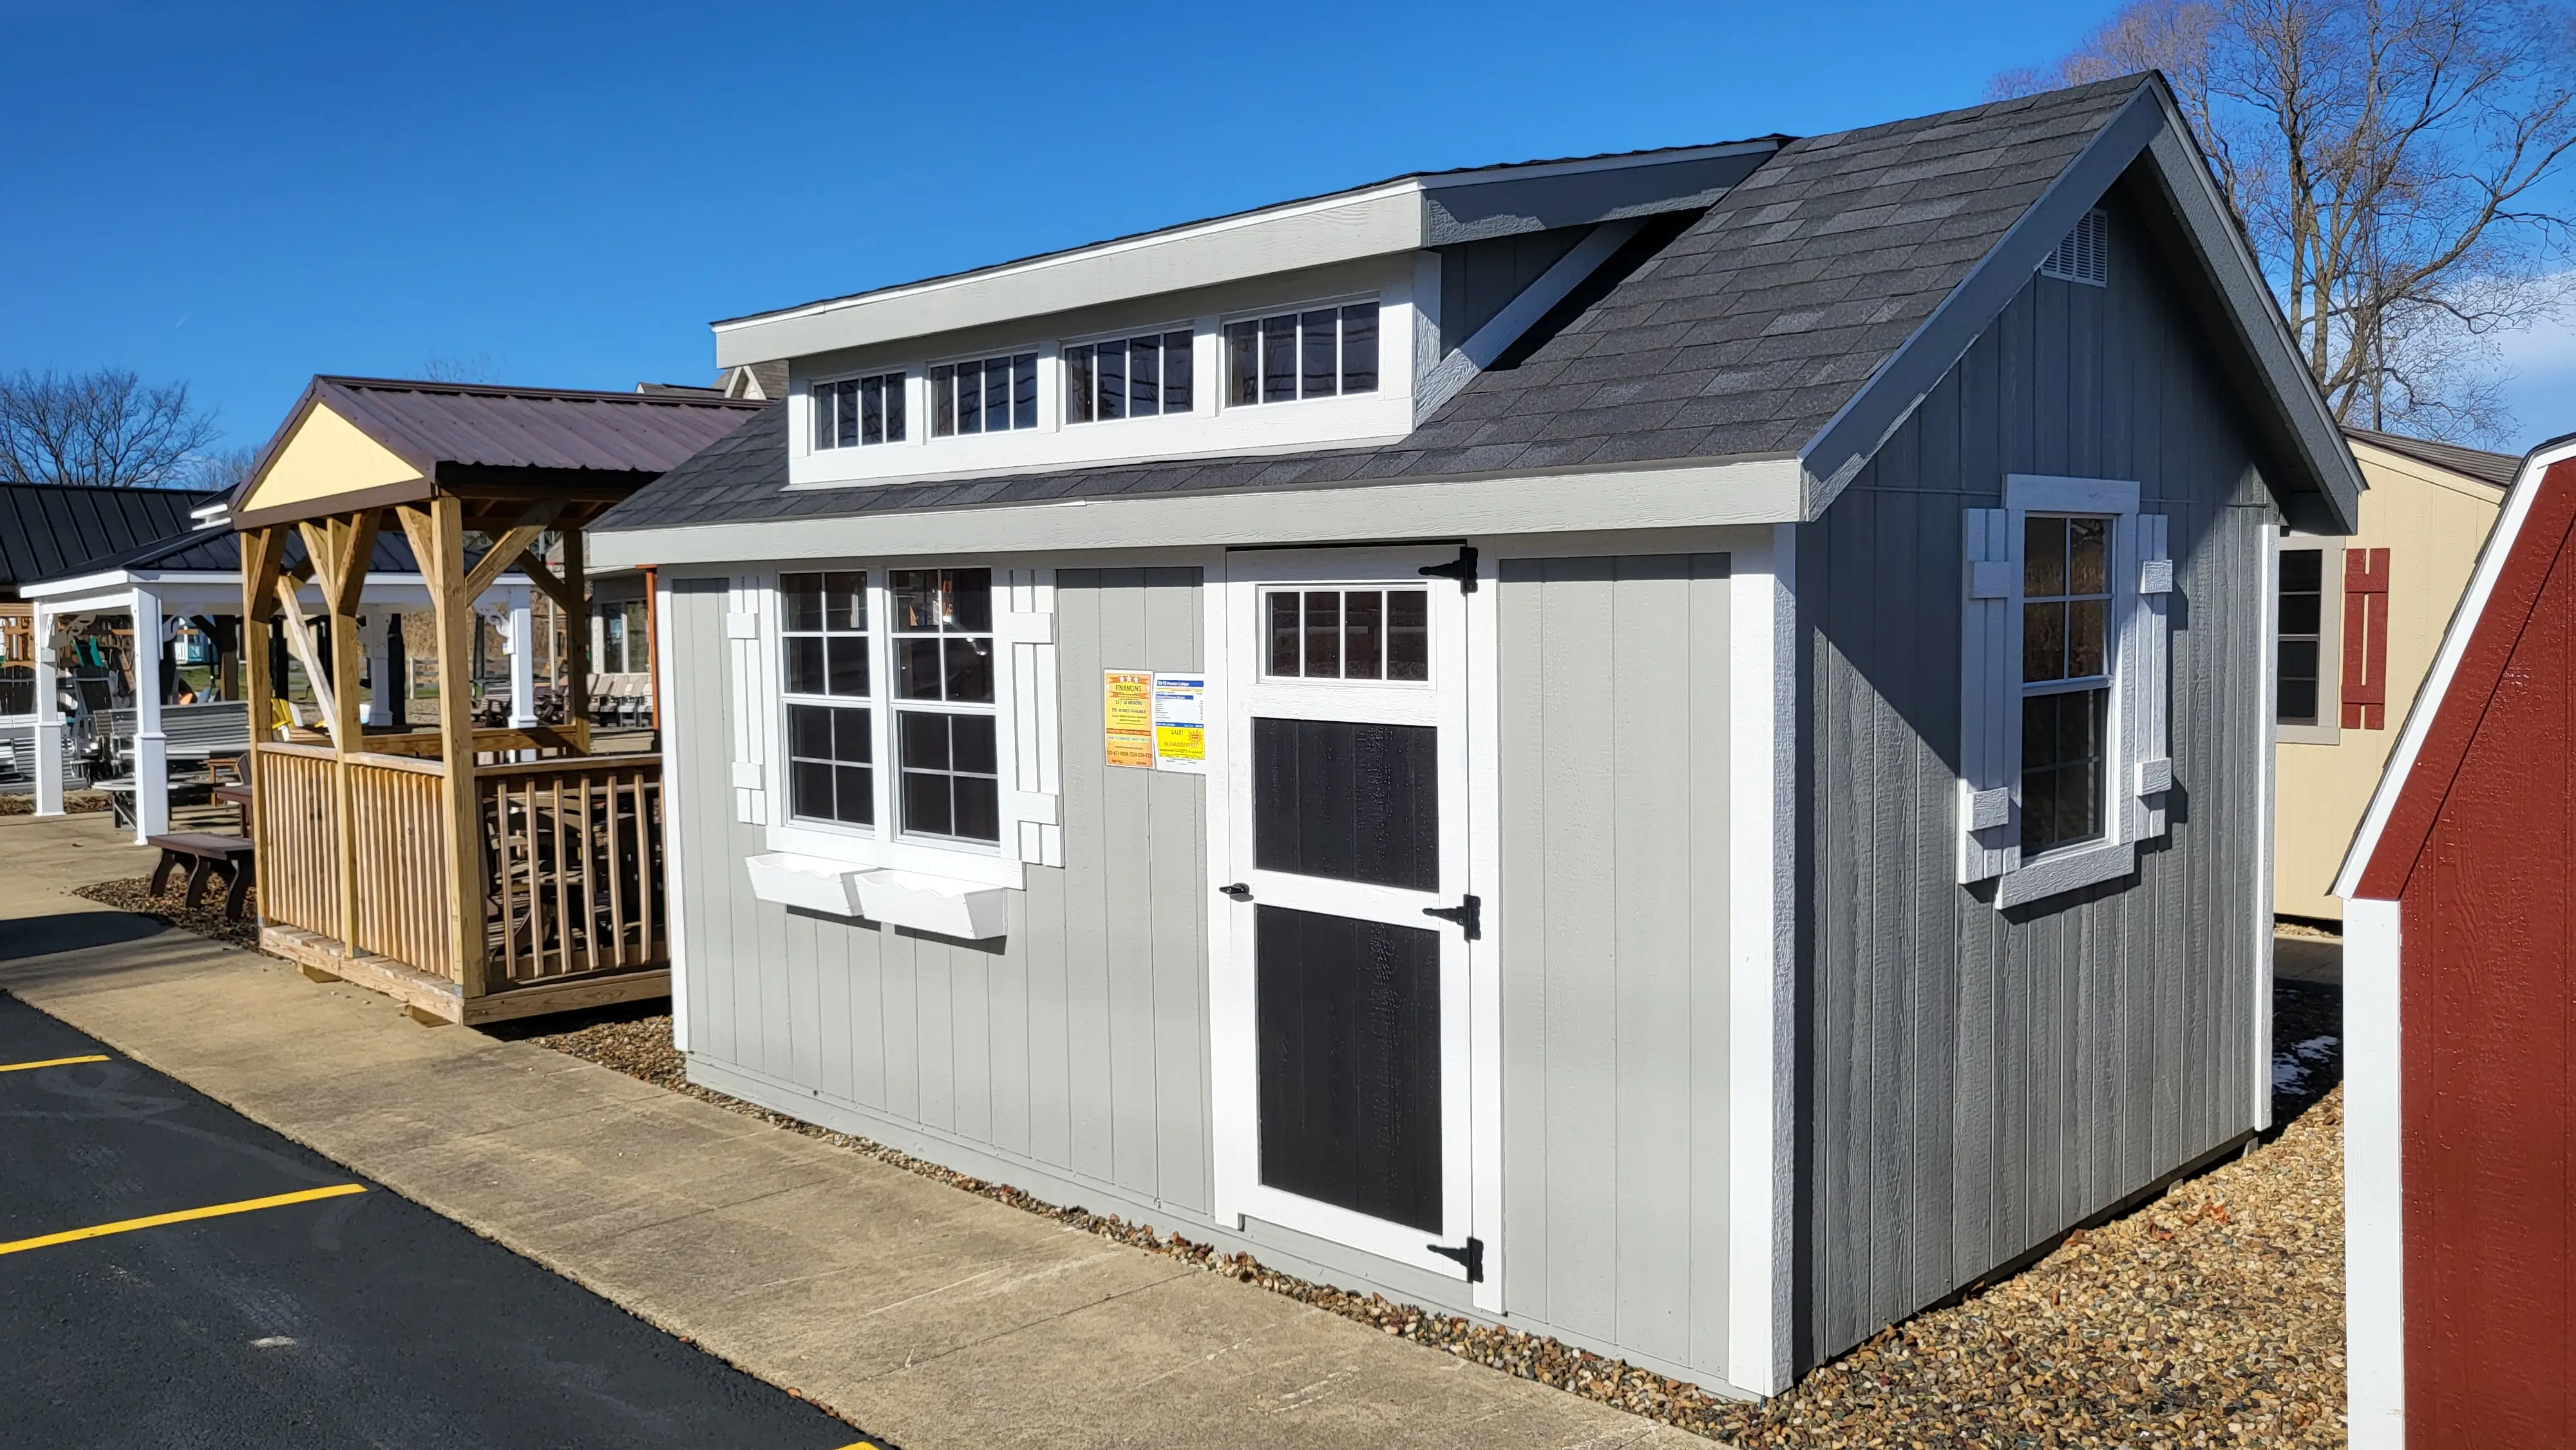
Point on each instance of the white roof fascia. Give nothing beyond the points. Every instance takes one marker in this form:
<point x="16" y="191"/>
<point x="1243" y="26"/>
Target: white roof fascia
<point x="1739" y="491"/>
<point x="2446" y="664"/>
<point x="1394" y="217"/>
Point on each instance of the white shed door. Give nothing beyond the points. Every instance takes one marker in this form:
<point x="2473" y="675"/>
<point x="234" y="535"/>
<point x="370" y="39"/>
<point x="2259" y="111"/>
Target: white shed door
<point x="1346" y="870"/>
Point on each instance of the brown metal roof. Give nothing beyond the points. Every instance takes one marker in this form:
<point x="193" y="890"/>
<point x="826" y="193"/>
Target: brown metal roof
<point x="2494" y="468"/>
<point x="432" y="424"/>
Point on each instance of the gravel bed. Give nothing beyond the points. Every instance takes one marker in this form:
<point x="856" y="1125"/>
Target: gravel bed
<point x="2211" y="1316"/>
<point x="134" y="894"/>
<point x="75" y="803"/>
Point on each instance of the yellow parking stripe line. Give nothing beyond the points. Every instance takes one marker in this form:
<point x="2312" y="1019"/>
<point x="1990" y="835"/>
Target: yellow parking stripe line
<point x="247" y="1205"/>
<point x="51" y="1062"/>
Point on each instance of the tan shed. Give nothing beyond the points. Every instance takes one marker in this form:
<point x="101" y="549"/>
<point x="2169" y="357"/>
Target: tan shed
<point x="2360" y="619"/>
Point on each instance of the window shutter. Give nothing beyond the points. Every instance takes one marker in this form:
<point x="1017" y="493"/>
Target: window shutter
<point x="753" y="716"/>
<point x="1024" y="627"/>
<point x="2150" y="682"/>
<point x="2365" y="639"/>
<point x="1989" y="838"/>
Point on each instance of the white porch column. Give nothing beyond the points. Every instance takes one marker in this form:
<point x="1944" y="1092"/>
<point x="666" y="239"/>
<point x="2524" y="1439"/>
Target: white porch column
<point x="380" y="667"/>
<point x="523" y="664"/>
<point x="151" y="747"/>
<point x="49" y="718"/>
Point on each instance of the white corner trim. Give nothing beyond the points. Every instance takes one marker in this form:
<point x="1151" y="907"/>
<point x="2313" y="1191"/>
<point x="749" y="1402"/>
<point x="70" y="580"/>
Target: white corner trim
<point x="1761" y="1005"/>
<point x="2446" y="664"/>
<point x="1739" y="491"/>
<point x="1478" y="352"/>
<point x="2373" y="1160"/>
<point x="1485" y="956"/>
<point x="2267" y="674"/>
<point x="675" y="751"/>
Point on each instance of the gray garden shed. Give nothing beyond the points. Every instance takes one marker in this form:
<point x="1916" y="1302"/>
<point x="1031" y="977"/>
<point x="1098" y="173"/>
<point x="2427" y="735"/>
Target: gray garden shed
<point x="1669" y="749"/>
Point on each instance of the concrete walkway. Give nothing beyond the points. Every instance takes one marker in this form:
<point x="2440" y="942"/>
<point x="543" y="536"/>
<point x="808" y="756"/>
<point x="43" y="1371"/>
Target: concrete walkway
<point x="930" y="1316"/>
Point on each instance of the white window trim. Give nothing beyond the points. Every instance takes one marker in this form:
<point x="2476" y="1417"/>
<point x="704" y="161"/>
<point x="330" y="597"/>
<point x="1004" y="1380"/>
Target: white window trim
<point x="2115" y="855"/>
<point x="1228" y="319"/>
<point x="1199" y="342"/>
<point x="2328" y="729"/>
<point x="1050" y="385"/>
<point x="916" y="391"/>
<point x="884" y="845"/>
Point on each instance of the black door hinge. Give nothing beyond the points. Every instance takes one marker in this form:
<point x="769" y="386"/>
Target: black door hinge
<point x="1470" y="1256"/>
<point x="1462" y="569"/>
<point x="1468" y="914"/>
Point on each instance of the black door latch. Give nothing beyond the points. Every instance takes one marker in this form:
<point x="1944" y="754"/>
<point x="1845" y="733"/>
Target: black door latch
<point x="1462" y="569"/>
<point x="1238" y="891"/>
<point x="1470" y="1257"/>
<point x="1468" y="914"/>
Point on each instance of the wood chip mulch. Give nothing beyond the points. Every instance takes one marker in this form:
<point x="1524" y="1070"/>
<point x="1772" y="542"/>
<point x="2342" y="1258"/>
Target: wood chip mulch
<point x="134" y="894"/>
<point x="75" y="803"/>
<point x="2211" y="1316"/>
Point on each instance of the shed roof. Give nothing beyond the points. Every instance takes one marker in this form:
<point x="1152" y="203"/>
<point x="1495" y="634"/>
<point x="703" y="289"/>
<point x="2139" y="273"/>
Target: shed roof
<point x="47" y="529"/>
<point x="2520" y="557"/>
<point x="2492" y="468"/>
<point x="1746" y="331"/>
<point x="450" y="436"/>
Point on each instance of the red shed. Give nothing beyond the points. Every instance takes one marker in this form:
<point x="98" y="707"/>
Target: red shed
<point x="2460" y="1017"/>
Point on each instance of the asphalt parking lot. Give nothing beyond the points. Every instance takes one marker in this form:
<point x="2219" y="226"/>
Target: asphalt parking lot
<point x="171" y="1274"/>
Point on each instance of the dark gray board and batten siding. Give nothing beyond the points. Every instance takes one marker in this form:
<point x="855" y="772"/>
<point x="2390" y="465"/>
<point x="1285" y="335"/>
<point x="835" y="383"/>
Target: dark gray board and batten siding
<point x="1973" y="1082"/>
<point x="1077" y="1043"/>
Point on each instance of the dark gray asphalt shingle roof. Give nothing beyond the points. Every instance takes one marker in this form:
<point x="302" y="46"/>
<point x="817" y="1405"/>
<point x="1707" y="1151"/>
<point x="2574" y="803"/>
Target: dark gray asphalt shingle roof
<point x="2495" y="468"/>
<point x="1741" y="336"/>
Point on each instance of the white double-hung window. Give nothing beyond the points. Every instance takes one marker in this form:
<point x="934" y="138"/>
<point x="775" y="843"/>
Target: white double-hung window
<point x="899" y="718"/>
<point x="2064" y="682"/>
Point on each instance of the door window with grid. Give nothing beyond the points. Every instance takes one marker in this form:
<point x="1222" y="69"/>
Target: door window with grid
<point x="831" y="750"/>
<point x="1347" y="634"/>
<point x="946" y="752"/>
<point x="2066" y="679"/>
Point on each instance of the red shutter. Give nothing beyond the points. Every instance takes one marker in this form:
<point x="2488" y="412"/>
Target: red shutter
<point x="2365" y="639"/>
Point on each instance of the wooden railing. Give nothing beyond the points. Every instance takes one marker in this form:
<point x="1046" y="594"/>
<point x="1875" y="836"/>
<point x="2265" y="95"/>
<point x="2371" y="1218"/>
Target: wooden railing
<point x="571" y="861"/>
<point x="400" y="809"/>
<point x="573" y="852"/>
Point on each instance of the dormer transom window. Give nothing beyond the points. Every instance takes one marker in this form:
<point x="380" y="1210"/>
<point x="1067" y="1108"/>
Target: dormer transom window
<point x="1130" y="377"/>
<point x="856" y="411"/>
<point x="1321" y="352"/>
<point x="986" y="395"/>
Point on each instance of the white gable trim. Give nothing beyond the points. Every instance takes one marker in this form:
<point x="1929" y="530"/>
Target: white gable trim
<point x="2446" y="664"/>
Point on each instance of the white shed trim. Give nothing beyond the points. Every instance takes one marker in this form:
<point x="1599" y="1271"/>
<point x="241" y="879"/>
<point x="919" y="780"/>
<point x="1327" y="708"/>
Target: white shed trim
<point x="1762" y="919"/>
<point x="2374" y="1243"/>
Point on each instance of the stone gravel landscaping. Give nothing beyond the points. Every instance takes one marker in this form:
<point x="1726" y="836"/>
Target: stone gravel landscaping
<point x="2212" y="1315"/>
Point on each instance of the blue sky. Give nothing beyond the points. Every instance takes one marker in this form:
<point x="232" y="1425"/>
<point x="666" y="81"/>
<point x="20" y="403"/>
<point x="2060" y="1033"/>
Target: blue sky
<point x="244" y="195"/>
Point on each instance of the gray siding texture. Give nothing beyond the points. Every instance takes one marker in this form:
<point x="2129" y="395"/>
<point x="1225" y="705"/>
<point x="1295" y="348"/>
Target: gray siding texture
<point x="1613" y="928"/>
<point x="1077" y="1044"/>
<point x="1974" y="1081"/>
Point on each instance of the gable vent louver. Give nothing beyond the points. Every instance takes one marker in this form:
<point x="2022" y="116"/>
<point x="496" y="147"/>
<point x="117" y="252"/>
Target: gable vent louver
<point x="2085" y="255"/>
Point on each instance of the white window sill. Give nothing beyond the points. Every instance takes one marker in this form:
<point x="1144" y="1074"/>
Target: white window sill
<point x="2067" y="870"/>
<point x="2307" y="734"/>
<point x="940" y="905"/>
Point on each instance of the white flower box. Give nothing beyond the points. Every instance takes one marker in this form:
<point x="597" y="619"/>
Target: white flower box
<point x="815" y="885"/>
<point x="934" y="904"/>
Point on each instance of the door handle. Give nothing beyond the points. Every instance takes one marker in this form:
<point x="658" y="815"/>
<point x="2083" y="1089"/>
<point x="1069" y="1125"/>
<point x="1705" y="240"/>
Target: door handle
<point x="1468" y="915"/>
<point x="1238" y="891"/>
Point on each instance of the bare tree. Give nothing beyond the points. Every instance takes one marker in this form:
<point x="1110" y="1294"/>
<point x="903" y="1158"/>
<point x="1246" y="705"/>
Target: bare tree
<point x="477" y="368"/>
<point x="220" y="470"/>
<point x="104" y="427"/>
<point x="2390" y="160"/>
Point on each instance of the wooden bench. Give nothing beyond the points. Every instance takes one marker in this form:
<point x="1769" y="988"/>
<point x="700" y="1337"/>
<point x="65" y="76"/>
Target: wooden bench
<point x="204" y="851"/>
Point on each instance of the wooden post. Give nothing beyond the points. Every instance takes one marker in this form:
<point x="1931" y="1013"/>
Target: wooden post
<point x="437" y="533"/>
<point x="576" y="633"/>
<point x="339" y="548"/>
<point x="652" y="648"/>
<point x="262" y="551"/>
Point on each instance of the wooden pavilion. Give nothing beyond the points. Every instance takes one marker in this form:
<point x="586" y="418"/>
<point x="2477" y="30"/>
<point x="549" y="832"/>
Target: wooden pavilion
<point x="474" y="873"/>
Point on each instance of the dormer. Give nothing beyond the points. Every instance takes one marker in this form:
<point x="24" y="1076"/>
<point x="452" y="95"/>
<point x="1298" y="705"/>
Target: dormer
<point x="1337" y="320"/>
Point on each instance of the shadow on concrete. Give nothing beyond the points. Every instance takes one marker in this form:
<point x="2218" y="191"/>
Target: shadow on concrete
<point x="71" y="931"/>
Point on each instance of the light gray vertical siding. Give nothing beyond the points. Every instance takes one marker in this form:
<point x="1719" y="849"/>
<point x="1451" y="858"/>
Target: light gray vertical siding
<point x="1078" y="1042"/>
<point x="1613" y="928"/>
<point x="1972" y="1081"/>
